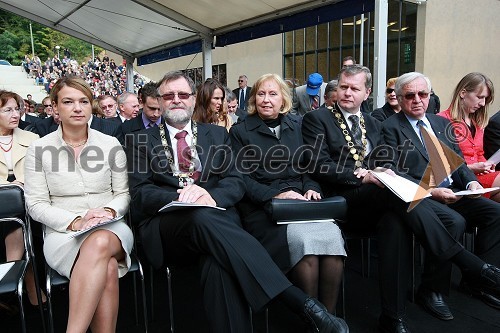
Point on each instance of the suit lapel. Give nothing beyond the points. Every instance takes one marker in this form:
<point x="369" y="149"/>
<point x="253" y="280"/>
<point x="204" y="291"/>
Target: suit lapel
<point x="411" y="135"/>
<point x="203" y="148"/>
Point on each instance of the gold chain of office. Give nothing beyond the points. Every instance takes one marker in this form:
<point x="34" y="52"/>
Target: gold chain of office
<point x="184" y="178"/>
<point x="357" y="155"/>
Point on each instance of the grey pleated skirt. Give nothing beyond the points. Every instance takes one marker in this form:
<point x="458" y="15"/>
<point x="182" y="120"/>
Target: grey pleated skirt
<point x="318" y="238"/>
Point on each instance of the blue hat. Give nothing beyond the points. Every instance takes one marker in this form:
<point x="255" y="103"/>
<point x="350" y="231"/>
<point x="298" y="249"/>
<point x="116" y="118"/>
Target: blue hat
<point x="314" y="82"/>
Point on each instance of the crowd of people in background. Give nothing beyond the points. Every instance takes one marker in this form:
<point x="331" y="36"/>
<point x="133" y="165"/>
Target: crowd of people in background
<point x="104" y="76"/>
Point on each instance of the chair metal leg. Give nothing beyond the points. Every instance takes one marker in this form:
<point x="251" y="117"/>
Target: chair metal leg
<point x="31" y="252"/>
<point x="50" y="318"/>
<point x="21" y="306"/>
<point x="266" y="316"/>
<point x="170" y="301"/>
<point x="143" y="287"/>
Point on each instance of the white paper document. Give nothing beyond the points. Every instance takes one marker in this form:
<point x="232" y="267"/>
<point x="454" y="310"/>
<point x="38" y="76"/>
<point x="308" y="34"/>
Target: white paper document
<point x="405" y="189"/>
<point x="495" y="158"/>
<point x="5" y="268"/>
<point x="81" y="232"/>
<point x="176" y="205"/>
<point x="304" y="221"/>
<point x="476" y="192"/>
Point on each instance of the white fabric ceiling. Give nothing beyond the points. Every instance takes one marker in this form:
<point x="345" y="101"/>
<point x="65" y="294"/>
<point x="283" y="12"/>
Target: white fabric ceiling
<point x="135" y="28"/>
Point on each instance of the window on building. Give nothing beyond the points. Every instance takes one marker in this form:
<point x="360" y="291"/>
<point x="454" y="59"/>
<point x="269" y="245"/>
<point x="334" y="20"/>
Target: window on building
<point x="321" y="48"/>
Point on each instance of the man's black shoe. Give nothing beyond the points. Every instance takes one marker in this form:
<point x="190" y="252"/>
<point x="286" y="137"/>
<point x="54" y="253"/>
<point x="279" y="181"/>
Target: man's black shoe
<point x="488" y="282"/>
<point x="488" y="299"/>
<point x="321" y="320"/>
<point x="391" y="325"/>
<point x="433" y="302"/>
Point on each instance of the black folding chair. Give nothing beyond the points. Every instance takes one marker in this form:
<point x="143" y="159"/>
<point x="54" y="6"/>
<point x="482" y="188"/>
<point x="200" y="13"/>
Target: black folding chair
<point x="13" y="210"/>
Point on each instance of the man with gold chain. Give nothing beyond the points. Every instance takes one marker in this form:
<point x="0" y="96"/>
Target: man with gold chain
<point x="345" y="145"/>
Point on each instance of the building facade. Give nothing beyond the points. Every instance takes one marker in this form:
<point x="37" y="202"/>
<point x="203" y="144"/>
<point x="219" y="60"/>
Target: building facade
<point x="444" y="39"/>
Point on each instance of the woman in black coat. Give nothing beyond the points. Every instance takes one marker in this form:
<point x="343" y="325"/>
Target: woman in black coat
<point x="268" y="148"/>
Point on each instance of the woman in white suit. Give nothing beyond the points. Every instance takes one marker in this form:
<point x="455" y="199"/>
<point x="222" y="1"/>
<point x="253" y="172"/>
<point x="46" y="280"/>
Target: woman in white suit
<point x="14" y="143"/>
<point x="76" y="179"/>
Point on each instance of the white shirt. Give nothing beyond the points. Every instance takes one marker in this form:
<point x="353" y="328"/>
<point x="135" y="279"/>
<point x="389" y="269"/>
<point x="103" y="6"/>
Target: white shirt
<point x="172" y="131"/>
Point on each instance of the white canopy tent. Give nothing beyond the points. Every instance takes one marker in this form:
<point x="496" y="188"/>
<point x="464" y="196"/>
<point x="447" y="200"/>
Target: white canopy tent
<point x="156" y="30"/>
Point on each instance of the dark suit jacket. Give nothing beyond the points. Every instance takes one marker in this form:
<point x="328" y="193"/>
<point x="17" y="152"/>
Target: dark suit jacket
<point x="397" y="130"/>
<point x="243" y="106"/>
<point x="45" y="126"/>
<point x="31" y="119"/>
<point x="23" y="124"/>
<point x="116" y="119"/>
<point x="108" y="127"/>
<point x="331" y="162"/>
<point x="133" y="125"/>
<point x="383" y="113"/>
<point x="152" y="184"/>
<point x="491" y="138"/>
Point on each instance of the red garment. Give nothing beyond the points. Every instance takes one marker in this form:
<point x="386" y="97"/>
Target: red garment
<point x="472" y="148"/>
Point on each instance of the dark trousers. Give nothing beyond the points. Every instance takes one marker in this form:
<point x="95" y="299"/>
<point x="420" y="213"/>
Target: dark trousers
<point x="371" y="207"/>
<point x="235" y="269"/>
<point x="485" y="215"/>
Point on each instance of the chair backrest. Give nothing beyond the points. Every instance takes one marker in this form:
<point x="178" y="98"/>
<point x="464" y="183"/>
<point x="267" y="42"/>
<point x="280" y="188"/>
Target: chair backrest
<point x="12" y="201"/>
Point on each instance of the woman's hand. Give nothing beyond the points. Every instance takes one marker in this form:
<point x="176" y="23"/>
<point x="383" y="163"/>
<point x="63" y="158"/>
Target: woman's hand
<point x="290" y="195"/>
<point x="312" y="195"/>
<point x="94" y="216"/>
<point x="481" y="168"/>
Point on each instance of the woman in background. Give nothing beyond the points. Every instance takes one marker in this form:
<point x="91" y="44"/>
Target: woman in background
<point x="14" y="143"/>
<point x="391" y="105"/>
<point x="468" y="113"/>
<point x="210" y="104"/>
<point x="67" y="191"/>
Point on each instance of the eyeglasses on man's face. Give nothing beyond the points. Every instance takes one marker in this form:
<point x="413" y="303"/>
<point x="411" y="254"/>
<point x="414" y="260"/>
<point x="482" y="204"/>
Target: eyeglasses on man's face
<point x="389" y="90"/>
<point x="47" y="105"/>
<point x="412" y="95"/>
<point x="240" y="80"/>
<point x="171" y="96"/>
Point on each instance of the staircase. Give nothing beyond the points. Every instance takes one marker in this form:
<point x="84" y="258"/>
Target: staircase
<point x="14" y="78"/>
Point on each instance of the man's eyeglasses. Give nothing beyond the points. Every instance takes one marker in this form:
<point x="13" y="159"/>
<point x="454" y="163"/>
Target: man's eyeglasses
<point x="411" y="96"/>
<point x="389" y="90"/>
<point x="171" y="96"/>
<point x="109" y="106"/>
<point x="240" y="80"/>
<point x="47" y="105"/>
<point x="9" y="111"/>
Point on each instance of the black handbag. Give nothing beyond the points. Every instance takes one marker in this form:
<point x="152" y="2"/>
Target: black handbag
<point x="286" y="211"/>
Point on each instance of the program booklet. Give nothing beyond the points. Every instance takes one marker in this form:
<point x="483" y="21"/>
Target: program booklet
<point x="495" y="158"/>
<point x="81" y="232"/>
<point x="405" y="189"/>
<point x="176" y="205"/>
<point x="476" y="192"/>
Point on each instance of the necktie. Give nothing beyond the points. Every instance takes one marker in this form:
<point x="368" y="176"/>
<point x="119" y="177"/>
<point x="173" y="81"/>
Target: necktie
<point x="151" y="124"/>
<point x="242" y="99"/>
<point x="315" y="103"/>
<point x="420" y="124"/>
<point x="355" y="129"/>
<point x="184" y="156"/>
